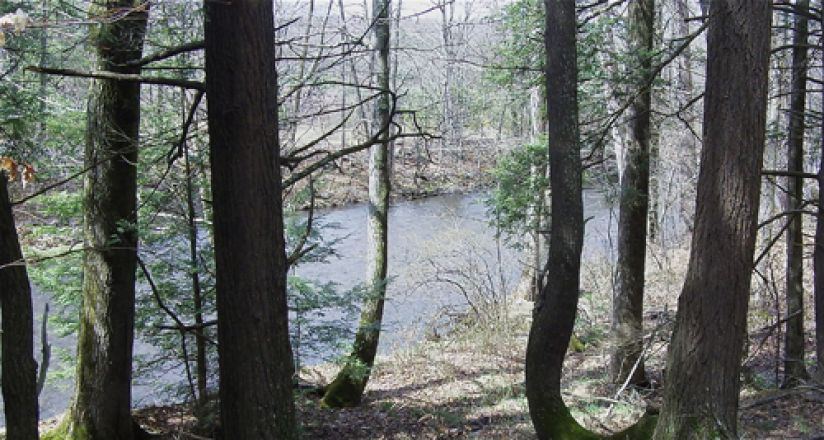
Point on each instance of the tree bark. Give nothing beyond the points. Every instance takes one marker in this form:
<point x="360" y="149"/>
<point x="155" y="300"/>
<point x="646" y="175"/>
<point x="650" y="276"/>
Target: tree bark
<point x="102" y="400"/>
<point x="19" y="370"/>
<point x="628" y="299"/>
<point x="701" y="398"/>
<point x="818" y="260"/>
<point x="347" y="388"/>
<point x="255" y="356"/>
<point x="794" y="369"/>
<point x="557" y="303"/>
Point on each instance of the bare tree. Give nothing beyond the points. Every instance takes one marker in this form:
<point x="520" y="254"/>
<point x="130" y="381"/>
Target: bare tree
<point x="347" y="388"/>
<point x="628" y="298"/>
<point x="794" y="369"/>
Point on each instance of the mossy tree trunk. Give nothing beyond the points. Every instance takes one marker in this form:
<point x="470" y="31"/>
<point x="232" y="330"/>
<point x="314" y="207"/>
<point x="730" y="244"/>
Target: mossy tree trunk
<point x="704" y="362"/>
<point x="102" y="399"/>
<point x="255" y="356"/>
<point x="628" y="298"/>
<point x="347" y="388"/>
<point x="19" y="370"/>
<point x="794" y="369"/>
<point x="557" y="303"/>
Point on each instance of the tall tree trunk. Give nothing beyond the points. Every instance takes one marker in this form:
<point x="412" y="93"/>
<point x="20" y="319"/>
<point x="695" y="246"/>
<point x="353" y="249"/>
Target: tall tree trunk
<point x="556" y="306"/>
<point x="255" y="356"/>
<point x="347" y="388"/>
<point x="701" y="398"/>
<point x="201" y="366"/>
<point x="687" y="143"/>
<point x="628" y="298"/>
<point x="794" y="369"/>
<point x="818" y="258"/>
<point x="451" y="126"/>
<point x="102" y="400"/>
<point x="395" y="73"/>
<point x="19" y="370"/>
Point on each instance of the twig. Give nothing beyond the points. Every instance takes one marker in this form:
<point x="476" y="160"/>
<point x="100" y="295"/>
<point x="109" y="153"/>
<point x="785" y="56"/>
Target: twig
<point x="183" y="328"/>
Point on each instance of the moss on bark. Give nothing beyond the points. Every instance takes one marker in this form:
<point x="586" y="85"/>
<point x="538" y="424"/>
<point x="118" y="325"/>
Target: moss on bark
<point x="345" y="391"/>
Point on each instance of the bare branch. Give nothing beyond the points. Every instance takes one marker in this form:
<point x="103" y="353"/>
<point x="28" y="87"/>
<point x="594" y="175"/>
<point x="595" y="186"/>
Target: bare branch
<point x="103" y="74"/>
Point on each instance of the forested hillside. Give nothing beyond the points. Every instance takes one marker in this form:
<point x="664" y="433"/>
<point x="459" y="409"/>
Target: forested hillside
<point x="557" y="219"/>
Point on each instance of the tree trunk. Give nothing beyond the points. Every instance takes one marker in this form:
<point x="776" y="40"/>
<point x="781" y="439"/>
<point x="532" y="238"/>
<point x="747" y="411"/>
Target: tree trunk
<point x="794" y="369"/>
<point x="347" y="388"/>
<point x="556" y="306"/>
<point x="628" y="298"/>
<point x="701" y="398"/>
<point x="686" y="142"/>
<point x="102" y="401"/>
<point x="19" y="370"/>
<point x="818" y="260"/>
<point x="201" y="366"/>
<point x="255" y="356"/>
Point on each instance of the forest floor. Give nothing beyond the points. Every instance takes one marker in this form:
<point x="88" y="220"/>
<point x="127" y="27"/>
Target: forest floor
<point x="469" y="382"/>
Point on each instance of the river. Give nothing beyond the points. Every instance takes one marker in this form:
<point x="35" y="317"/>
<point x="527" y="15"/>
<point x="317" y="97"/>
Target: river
<point x="445" y="237"/>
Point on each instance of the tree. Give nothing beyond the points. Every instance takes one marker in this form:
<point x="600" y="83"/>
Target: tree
<point x="19" y="370"/>
<point x="347" y="388"/>
<point x="102" y="400"/>
<point x="557" y="303"/>
<point x="704" y="360"/>
<point x="255" y="356"/>
<point x="628" y="298"/>
<point x="818" y="259"/>
<point x="794" y="369"/>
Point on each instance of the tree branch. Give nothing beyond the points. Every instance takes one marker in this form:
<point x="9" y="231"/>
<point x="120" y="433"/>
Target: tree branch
<point x="103" y="74"/>
<point x="784" y="173"/>
<point x="160" y="56"/>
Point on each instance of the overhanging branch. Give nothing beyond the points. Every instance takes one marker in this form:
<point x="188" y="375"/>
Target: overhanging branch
<point x="103" y="74"/>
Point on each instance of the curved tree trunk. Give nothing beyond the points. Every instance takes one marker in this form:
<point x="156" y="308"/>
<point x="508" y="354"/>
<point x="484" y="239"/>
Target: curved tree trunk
<point x="19" y="370"/>
<point x="255" y="356"/>
<point x="794" y="369"/>
<point x="347" y="388"/>
<point x="701" y="397"/>
<point x="102" y="401"/>
<point x="628" y="299"/>
<point x="557" y="303"/>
